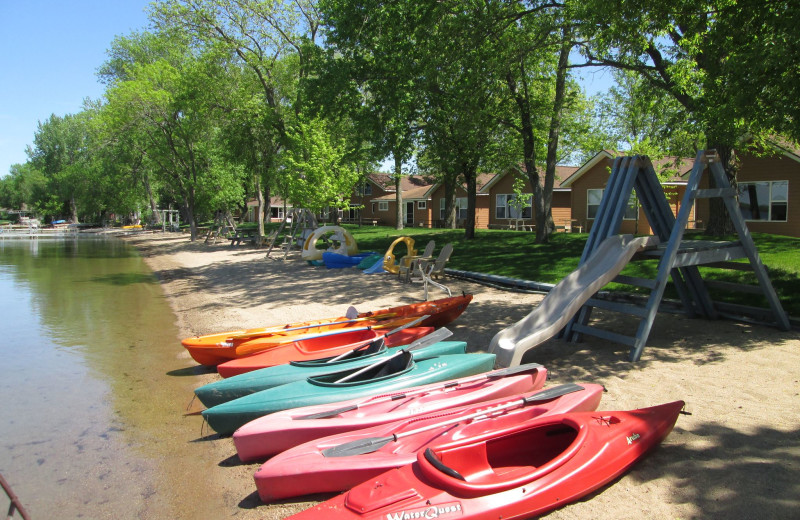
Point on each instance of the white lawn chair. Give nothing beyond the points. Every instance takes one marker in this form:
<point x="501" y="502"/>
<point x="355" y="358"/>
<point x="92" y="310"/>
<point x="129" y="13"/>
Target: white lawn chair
<point x="427" y="270"/>
<point x="406" y="268"/>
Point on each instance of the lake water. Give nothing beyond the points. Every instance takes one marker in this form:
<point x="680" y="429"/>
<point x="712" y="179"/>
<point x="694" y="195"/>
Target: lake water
<point x="93" y="390"/>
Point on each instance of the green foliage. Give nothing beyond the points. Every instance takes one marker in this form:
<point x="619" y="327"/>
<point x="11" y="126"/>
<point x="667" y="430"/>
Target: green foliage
<point x="645" y="120"/>
<point x="315" y="166"/>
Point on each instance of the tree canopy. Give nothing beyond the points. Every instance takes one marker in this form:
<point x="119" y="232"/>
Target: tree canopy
<point x="223" y="101"/>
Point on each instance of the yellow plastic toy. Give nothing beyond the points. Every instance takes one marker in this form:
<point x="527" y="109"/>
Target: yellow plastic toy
<point x="389" y="263"/>
<point x="342" y="243"/>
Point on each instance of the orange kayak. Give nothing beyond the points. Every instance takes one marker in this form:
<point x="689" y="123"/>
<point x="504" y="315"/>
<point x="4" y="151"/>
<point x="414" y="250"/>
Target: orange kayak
<point x="213" y="349"/>
<point x="316" y="348"/>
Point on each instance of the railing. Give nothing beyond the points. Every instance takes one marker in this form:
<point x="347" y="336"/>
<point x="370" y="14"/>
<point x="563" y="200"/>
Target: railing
<point x="15" y="505"/>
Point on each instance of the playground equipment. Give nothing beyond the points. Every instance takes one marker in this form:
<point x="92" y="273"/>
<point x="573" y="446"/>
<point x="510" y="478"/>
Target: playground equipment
<point x="341" y="240"/>
<point x="566" y="298"/>
<point x="677" y="260"/>
<point x="170" y="218"/>
<point x="296" y="227"/>
<point x="390" y="264"/>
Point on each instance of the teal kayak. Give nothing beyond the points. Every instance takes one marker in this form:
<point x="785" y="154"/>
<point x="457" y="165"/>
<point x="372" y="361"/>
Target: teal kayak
<point x="395" y="373"/>
<point x="248" y="383"/>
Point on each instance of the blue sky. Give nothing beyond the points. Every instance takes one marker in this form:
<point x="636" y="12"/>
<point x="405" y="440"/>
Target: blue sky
<point x="50" y="51"/>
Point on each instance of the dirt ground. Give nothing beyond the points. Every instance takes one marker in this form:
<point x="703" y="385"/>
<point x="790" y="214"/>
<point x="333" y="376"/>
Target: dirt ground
<point x="737" y="456"/>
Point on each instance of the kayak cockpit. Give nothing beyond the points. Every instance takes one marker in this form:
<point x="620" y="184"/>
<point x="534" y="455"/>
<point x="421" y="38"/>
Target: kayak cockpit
<point x="371" y="349"/>
<point x="501" y="462"/>
<point x="391" y="368"/>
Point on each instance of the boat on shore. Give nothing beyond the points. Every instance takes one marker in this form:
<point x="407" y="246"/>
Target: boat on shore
<point x="340" y="462"/>
<point x="394" y="373"/>
<point x="213" y="349"/>
<point x="283" y="430"/>
<point x="519" y="472"/>
<point x="248" y="383"/>
<point x="319" y="347"/>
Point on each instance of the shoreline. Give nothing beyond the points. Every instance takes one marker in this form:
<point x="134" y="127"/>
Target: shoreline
<point x="737" y="456"/>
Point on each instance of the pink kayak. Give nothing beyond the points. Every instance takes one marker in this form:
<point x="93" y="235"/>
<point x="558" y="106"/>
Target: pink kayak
<point x="280" y="431"/>
<point x="339" y="462"/>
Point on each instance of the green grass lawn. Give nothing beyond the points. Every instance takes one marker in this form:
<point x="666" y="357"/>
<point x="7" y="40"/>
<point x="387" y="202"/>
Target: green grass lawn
<point x="514" y="254"/>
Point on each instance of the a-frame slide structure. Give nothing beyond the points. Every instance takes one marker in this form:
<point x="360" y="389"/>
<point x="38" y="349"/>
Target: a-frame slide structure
<point x="678" y="258"/>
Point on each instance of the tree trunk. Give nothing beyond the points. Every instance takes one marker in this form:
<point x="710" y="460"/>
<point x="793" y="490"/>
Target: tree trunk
<point x="260" y="200"/>
<point x="189" y="207"/>
<point x="719" y="222"/>
<point x="544" y="230"/>
<point x="73" y="208"/>
<point x="449" y="204"/>
<point x="267" y="205"/>
<point x="472" y="196"/>
<point x="152" y="201"/>
<point x="398" y="172"/>
<point x="529" y="152"/>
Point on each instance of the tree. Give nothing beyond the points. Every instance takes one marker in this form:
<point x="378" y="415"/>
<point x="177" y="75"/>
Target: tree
<point x="698" y="53"/>
<point x="264" y="36"/>
<point x="169" y="100"/>
<point x="23" y="185"/>
<point x="61" y="152"/>
<point x="638" y="117"/>
<point x="367" y="44"/>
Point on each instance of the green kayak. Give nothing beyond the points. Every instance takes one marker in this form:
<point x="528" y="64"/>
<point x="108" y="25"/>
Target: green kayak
<point x="248" y="383"/>
<point x="395" y="373"/>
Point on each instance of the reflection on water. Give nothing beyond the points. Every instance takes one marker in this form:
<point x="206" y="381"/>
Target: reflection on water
<point x="88" y="414"/>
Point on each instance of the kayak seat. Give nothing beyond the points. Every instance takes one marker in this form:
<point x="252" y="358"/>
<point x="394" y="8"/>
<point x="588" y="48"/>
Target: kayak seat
<point x="505" y="460"/>
<point x="394" y="365"/>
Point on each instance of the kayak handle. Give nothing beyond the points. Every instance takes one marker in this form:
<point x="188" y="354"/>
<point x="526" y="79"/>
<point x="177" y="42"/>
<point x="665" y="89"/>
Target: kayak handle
<point x="431" y="457"/>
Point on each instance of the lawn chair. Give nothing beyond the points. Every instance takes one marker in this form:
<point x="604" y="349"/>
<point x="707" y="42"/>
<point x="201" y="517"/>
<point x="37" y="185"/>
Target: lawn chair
<point x="408" y="267"/>
<point x="426" y="270"/>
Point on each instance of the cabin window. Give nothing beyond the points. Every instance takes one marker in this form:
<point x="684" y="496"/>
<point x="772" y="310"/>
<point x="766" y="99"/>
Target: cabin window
<point x="767" y="200"/>
<point x="461" y="208"/>
<point x="422" y="204"/>
<point x="593" y="198"/>
<point x="383" y="205"/>
<point x="505" y="209"/>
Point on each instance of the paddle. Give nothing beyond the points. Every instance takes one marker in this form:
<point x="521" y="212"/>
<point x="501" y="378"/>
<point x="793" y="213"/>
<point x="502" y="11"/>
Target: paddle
<point x="368" y="344"/>
<point x="293" y="338"/>
<point x="373" y="444"/>
<point x="449" y="384"/>
<point x="444" y="332"/>
<point x="276" y="330"/>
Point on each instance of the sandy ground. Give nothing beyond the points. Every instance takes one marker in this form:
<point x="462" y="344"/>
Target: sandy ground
<point x="737" y="456"/>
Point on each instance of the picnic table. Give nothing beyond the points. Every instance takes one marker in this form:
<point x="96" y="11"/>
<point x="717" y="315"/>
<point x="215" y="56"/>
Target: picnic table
<point x="243" y="236"/>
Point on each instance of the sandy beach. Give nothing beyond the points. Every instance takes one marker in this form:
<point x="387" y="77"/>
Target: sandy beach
<point x="737" y="456"/>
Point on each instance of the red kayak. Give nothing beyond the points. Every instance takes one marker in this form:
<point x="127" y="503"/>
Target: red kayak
<point x="280" y="431"/>
<point x="213" y="349"/>
<point x="318" y="347"/>
<point x="519" y="471"/>
<point x="339" y="462"/>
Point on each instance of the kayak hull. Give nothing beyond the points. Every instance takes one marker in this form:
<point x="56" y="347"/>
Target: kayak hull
<point x="228" y="417"/>
<point x="213" y="349"/>
<point x="248" y="383"/>
<point x="315" y="348"/>
<point x="306" y="469"/>
<point x="283" y="430"/>
<point x="518" y="472"/>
